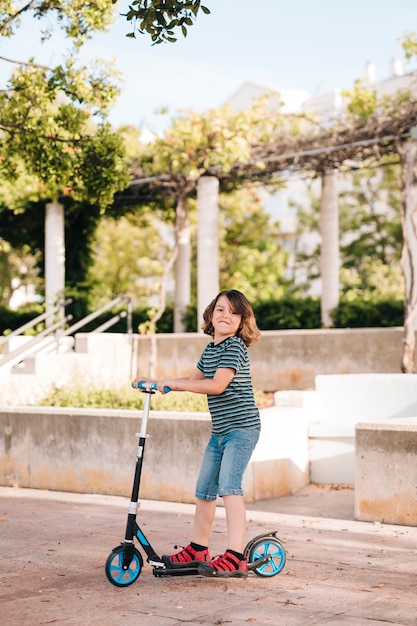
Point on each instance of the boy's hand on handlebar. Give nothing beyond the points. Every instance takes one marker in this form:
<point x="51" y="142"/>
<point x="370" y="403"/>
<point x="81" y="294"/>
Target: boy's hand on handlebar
<point x="141" y="379"/>
<point x="143" y="382"/>
<point x="163" y="386"/>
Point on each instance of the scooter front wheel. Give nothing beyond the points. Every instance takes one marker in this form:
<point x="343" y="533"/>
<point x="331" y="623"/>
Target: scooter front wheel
<point x="270" y="553"/>
<point x="114" y="567"/>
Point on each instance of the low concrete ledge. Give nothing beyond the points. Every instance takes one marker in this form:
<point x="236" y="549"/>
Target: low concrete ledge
<point x="386" y="472"/>
<point x="344" y="400"/>
<point x="94" y="451"/>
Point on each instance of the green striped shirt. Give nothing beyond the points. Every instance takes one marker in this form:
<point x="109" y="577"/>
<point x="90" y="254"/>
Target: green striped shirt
<point x="235" y="407"/>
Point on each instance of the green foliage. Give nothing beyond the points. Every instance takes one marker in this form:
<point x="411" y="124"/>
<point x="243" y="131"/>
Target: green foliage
<point x="409" y="44"/>
<point x="370" y="220"/>
<point x="55" y="141"/>
<point x="284" y="313"/>
<point x="370" y="234"/>
<point x="18" y="268"/>
<point x="49" y="142"/>
<point x="80" y="225"/>
<point x="11" y="320"/>
<point x="367" y="313"/>
<point x="291" y="312"/>
<point x="51" y="147"/>
<point x="363" y="100"/>
<point x="218" y="138"/>
<point x="77" y="18"/>
<point x="249" y="247"/>
<point x="375" y="281"/>
<point x="129" y="255"/>
<point x="79" y="396"/>
<point x="160" y="18"/>
<point x="139" y="317"/>
<point x="190" y="146"/>
<point x="288" y="312"/>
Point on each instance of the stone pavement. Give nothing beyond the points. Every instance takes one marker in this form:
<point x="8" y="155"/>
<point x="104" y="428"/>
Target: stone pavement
<point x="53" y="547"/>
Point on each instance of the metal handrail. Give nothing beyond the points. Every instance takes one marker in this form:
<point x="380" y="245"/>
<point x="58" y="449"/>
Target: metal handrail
<point x="71" y="329"/>
<point x="113" y="320"/>
<point x="36" y="320"/>
<point x="28" y="346"/>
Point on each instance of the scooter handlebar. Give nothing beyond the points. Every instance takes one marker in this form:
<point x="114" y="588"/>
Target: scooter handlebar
<point x="145" y="386"/>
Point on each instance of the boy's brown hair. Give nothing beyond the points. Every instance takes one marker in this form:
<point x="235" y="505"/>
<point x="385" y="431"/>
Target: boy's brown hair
<point x="248" y="330"/>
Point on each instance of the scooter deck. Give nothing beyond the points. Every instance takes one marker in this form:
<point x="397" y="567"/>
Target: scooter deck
<point x="159" y="572"/>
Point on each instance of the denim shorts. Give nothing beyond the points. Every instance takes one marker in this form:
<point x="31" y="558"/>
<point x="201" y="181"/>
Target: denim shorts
<point x="224" y="463"/>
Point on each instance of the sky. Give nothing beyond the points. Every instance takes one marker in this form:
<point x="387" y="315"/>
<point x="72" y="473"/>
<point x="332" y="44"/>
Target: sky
<point x="311" y="45"/>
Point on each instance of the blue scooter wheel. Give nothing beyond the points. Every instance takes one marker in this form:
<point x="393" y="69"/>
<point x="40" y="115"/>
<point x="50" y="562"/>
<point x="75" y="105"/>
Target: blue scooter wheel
<point x="267" y="547"/>
<point x="114" y="567"/>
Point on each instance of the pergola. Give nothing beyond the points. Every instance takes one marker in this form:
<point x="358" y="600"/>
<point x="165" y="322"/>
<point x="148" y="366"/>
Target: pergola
<point x="323" y="150"/>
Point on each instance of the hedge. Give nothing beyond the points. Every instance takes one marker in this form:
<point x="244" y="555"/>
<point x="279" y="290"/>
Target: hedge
<point x="286" y="313"/>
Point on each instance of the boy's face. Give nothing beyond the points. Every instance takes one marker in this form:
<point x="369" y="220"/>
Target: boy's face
<point x="225" y="321"/>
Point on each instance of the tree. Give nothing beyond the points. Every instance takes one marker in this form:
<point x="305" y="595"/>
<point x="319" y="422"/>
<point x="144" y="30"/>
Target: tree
<point x="56" y="142"/>
<point x="129" y="254"/>
<point x="370" y="234"/>
<point x="251" y="257"/>
<point x="160" y="18"/>
<point x="194" y="145"/>
<point x="392" y="108"/>
<point x="51" y="145"/>
<point x="76" y="18"/>
<point x="370" y="218"/>
<point x="17" y="271"/>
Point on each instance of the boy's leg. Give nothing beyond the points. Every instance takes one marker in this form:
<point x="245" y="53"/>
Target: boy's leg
<point x="203" y="521"/>
<point x="232" y="563"/>
<point x="197" y="551"/>
<point x="236" y="522"/>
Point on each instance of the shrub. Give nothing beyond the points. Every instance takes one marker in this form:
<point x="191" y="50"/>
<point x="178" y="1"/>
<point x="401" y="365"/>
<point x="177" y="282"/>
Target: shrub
<point x="366" y="313"/>
<point x="128" y="398"/>
<point x="285" y="313"/>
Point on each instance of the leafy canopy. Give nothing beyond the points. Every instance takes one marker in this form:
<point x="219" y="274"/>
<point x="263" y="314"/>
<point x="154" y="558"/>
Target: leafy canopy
<point x="54" y="137"/>
<point x="160" y="18"/>
<point x="50" y="145"/>
<point x="78" y="19"/>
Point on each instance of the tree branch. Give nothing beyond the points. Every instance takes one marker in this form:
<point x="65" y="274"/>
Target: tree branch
<point x="26" y="63"/>
<point x="12" y="18"/>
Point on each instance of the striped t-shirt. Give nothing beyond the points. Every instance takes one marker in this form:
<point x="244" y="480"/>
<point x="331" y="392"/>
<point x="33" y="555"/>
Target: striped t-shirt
<point x="235" y="407"/>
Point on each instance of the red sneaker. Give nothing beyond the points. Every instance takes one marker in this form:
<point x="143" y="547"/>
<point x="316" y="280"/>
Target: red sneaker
<point x="225" y="566"/>
<point x="187" y="557"/>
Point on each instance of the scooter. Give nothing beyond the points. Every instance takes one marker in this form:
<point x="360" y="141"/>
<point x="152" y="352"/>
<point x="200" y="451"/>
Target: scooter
<point x="265" y="554"/>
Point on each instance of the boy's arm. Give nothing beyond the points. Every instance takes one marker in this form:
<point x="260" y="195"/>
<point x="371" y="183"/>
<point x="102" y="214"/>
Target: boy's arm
<point x="196" y="382"/>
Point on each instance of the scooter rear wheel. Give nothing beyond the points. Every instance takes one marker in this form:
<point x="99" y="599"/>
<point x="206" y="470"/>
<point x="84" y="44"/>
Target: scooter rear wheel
<point x="267" y="547"/>
<point x="114" y="567"/>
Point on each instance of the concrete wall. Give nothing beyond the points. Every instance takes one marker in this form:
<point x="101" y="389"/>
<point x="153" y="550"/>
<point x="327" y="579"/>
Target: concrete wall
<point x="287" y="359"/>
<point x="94" y="451"/>
<point x="386" y="472"/>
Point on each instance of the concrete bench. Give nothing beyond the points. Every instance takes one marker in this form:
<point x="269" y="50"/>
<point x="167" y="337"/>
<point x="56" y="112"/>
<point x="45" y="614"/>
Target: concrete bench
<point x="93" y="451"/>
<point x="344" y="400"/>
<point x="386" y="471"/>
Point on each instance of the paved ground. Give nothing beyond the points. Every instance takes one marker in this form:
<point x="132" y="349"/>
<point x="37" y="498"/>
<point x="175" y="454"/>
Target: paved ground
<point x="53" y="547"/>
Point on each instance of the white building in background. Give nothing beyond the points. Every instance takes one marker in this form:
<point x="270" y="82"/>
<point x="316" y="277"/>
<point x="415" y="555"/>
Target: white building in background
<point x="282" y="205"/>
<point x="286" y="100"/>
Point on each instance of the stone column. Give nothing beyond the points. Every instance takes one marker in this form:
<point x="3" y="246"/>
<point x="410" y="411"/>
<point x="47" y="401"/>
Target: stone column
<point x="54" y="256"/>
<point x="329" y="259"/>
<point x="208" y="243"/>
